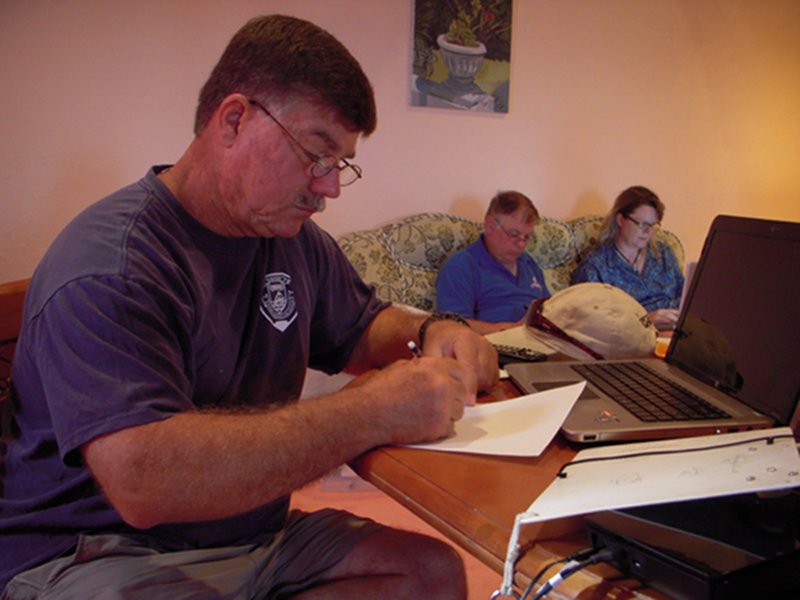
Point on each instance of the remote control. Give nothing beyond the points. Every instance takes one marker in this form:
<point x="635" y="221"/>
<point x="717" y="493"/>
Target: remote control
<point x="519" y="353"/>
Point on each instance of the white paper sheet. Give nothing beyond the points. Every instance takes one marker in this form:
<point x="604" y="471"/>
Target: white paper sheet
<point x="521" y="426"/>
<point x="650" y="473"/>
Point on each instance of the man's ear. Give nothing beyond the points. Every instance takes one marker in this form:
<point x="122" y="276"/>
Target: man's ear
<point x="229" y="117"/>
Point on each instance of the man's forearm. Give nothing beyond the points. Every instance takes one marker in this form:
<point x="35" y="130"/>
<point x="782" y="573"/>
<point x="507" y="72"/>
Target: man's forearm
<point x="203" y="466"/>
<point x="200" y="466"/>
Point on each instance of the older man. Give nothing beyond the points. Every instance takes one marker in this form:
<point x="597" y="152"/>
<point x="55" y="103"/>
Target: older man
<point x="492" y="281"/>
<point x="156" y="433"/>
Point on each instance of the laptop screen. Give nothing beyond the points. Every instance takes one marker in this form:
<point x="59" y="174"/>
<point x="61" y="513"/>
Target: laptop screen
<point x="740" y="328"/>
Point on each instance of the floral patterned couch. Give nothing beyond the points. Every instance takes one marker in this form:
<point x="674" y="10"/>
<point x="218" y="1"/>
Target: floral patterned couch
<point x="401" y="259"/>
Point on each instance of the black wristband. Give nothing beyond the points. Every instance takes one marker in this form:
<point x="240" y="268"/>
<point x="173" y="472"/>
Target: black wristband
<point x="439" y="316"/>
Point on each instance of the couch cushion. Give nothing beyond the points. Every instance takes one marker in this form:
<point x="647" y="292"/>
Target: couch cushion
<point x="552" y="247"/>
<point x="585" y="231"/>
<point x="401" y="259"/>
<point x="427" y="240"/>
<point x="420" y="245"/>
<point x="374" y="263"/>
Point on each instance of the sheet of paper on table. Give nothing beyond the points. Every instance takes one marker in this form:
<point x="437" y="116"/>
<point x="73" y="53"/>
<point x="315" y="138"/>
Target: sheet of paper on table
<point x="521" y="426"/>
<point x="624" y="476"/>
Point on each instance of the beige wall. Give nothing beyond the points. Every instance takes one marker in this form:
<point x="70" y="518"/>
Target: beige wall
<point x="698" y="99"/>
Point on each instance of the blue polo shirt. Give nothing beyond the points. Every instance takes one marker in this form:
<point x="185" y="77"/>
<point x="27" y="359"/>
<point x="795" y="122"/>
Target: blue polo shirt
<point x="475" y="285"/>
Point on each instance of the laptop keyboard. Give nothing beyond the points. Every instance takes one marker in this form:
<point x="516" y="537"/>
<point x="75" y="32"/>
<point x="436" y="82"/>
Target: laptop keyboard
<point x="647" y="395"/>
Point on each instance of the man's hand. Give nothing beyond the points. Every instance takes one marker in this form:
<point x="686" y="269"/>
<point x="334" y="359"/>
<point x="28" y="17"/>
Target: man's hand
<point x="449" y="339"/>
<point x="416" y="400"/>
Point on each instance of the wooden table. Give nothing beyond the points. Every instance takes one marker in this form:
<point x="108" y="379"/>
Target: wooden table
<point x="473" y="499"/>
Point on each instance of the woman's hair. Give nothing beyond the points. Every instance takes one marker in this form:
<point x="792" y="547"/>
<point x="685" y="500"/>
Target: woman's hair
<point x="276" y="57"/>
<point x="506" y="203"/>
<point x="627" y="202"/>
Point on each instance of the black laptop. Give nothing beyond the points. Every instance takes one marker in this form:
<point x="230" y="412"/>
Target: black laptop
<point x="734" y="360"/>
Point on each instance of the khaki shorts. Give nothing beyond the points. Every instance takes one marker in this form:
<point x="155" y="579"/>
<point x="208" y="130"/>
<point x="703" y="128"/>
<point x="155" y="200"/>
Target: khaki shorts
<point x="113" y="566"/>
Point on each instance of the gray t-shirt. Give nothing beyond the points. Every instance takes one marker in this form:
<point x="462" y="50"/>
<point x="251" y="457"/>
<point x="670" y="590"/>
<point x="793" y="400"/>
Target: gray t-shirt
<point x="138" y="312"/>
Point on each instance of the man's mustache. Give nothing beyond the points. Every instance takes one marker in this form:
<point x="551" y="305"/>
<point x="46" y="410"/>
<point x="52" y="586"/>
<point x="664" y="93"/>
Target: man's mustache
<point x="315" y="202"/>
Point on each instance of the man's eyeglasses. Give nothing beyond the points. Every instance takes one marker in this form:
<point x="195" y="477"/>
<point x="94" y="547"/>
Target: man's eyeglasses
<point x="321" y="164"/>
<point x="642" y="225"/>
<point x="514" y="235"/>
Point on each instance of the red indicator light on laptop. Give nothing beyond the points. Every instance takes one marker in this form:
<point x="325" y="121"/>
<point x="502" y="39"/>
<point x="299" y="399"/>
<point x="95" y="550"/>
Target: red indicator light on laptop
<point x="604" y="416"/>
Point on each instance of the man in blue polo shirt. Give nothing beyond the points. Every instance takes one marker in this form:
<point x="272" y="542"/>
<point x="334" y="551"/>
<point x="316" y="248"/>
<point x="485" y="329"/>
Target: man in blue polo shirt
<point x="492" y="281"/>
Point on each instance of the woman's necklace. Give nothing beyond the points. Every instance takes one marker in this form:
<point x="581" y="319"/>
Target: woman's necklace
<point x="633" y="263"/>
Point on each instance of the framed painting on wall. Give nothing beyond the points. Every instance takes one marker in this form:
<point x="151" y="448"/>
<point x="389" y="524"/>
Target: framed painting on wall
<point x="462" y="54"/>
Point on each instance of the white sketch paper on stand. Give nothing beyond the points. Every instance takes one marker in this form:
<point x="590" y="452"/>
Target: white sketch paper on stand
<point x="625" y="476"/>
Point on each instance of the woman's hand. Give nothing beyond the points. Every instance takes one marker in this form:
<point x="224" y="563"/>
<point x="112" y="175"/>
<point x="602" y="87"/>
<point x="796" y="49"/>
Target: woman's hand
<point x="664" y="318"/>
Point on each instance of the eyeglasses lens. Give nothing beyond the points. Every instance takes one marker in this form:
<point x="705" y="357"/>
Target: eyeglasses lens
<point x="348" y="173"/>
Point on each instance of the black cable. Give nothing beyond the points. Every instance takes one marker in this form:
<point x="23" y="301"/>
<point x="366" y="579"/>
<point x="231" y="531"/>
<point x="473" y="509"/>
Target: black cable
<point x="536" y="579"/>
<point x="769" y="439"/>
<point x="601" y="555"/>
<point x="579" y="555"/>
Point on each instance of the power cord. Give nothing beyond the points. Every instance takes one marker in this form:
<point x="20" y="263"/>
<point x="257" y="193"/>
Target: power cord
<point x="575" y="562"/>
<point x="581" y="554"/>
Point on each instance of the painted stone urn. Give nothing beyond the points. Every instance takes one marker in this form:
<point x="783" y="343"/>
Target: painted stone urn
<point x="463" y="63"/>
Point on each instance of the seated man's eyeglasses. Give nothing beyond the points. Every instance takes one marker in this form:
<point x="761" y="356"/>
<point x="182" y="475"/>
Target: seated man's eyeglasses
<point x="321" y="164"/>
<point x="642" y="225"/>
<point x="514" y="235"/>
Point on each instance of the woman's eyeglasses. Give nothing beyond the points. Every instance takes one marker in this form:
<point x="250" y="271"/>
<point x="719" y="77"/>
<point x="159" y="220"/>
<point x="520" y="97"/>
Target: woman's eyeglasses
<point x="641" y="225"/>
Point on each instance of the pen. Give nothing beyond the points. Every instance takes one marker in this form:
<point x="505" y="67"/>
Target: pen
<point x="414" y="349"/>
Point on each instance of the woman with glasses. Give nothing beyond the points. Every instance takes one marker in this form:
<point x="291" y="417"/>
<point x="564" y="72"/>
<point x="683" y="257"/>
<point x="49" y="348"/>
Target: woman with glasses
<point x="628" y="256"/>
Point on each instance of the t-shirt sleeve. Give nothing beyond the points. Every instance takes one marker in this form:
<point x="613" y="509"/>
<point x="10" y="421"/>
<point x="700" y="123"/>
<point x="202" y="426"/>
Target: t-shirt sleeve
<point x="106" y="359"/>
